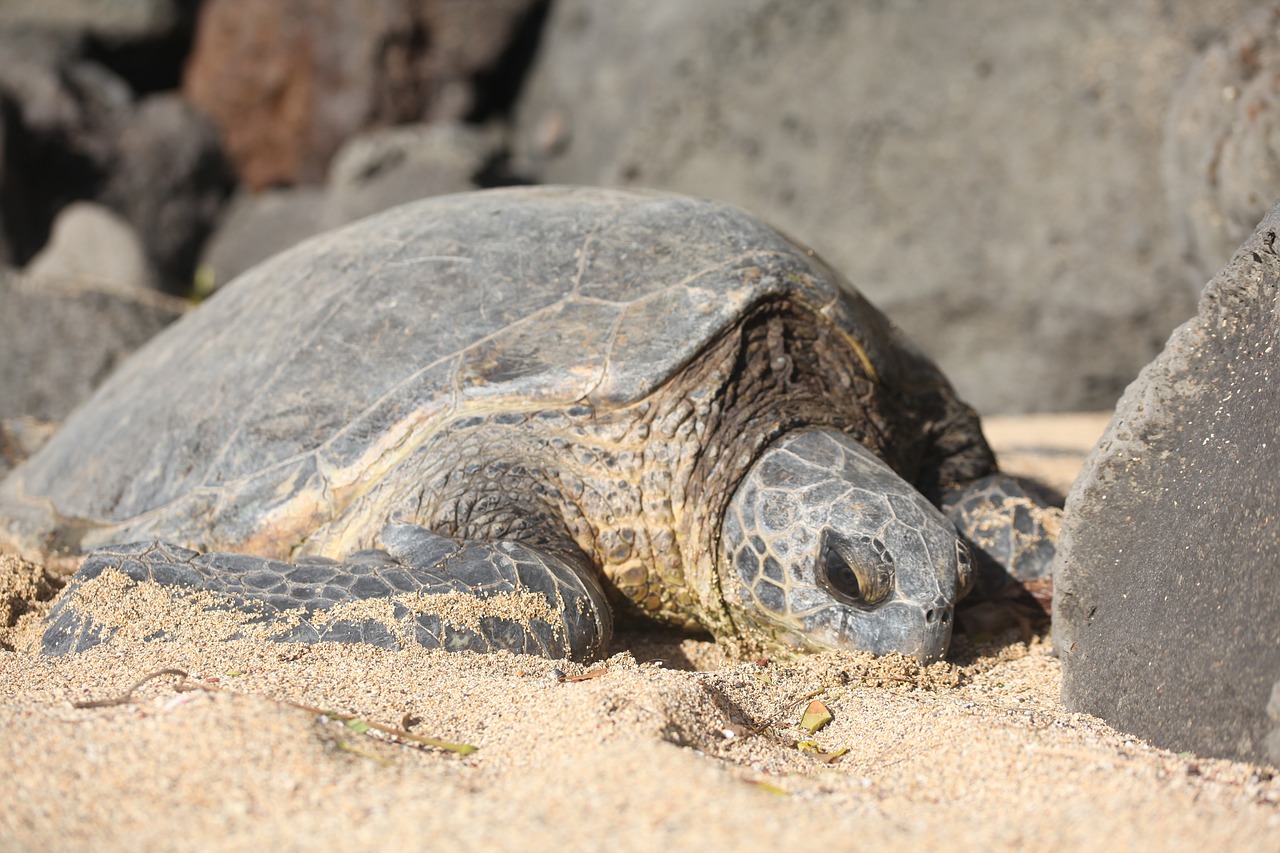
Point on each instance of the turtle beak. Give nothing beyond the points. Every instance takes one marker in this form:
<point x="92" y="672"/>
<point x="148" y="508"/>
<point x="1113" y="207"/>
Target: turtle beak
<point x="917" y="630"/>
<point x="935" y="639"/>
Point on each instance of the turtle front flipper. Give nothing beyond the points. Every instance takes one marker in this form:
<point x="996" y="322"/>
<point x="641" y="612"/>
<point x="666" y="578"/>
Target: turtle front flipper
<point x="1013" y="532"/>
<point x="423" y="588"/>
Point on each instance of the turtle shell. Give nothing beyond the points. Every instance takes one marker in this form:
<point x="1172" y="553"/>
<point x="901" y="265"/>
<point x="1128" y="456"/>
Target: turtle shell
<point x="318" y="362"/>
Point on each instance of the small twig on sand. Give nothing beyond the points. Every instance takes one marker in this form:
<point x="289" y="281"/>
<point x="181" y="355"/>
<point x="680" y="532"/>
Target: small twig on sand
<point x="586" y="676"/>
<point x="348" y="719"/>
<point x="352" y="721"/>
<point x="127" y="696"/>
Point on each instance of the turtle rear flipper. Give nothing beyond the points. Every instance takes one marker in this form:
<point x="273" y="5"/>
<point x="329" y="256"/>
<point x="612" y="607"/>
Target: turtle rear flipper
<point x="424" y="588"/>
<point x="1012" y="529"/>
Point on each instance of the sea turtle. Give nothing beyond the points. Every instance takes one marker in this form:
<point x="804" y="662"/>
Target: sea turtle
<point x="482" y="421"/>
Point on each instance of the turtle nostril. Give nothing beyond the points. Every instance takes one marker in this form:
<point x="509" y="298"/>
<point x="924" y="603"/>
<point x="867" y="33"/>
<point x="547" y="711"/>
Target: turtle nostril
<point x="937" y="614"/>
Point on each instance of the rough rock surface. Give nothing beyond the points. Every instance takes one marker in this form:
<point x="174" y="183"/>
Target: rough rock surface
<point x="987" y="174"/>
<point x="1167" y="597"/>
<point x="1222" y="150"/>
<point x="59" y="339"/>
<point x="287" y="82"/>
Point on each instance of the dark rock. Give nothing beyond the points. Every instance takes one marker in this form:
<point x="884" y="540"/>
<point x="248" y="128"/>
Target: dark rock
<point x="13" y="181"/>
<point x="1166" y="591"/>
<point x="144" y="42"/>
<point x="75" y="103"/>
<point x="59" y="133"/>
<point x="60" y="339"/>
<point x="170" y="181"/>
<point x="984" y="172"/>
<point x="31" y="75"/>
<point x="286" y="83"/>
<point x="73" y="130"/>
<point x="93" y="246"/>
<point x="1222" y="148"/>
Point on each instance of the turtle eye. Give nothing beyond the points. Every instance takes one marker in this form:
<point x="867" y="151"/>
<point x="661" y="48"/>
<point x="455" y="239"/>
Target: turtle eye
<point x="964" y="568"/>
<point x="856" y="570"/>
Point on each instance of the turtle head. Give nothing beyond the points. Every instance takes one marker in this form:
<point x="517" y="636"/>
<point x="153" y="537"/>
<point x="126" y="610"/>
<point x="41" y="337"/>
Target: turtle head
<point x="824" y="546"/>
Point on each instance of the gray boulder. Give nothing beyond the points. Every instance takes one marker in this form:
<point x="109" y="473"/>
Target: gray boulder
<point x="389" y="166"/>
<point x="373" y="171"/>
<point x="255" y="226"/>
<point x="94" y="246"/>
<point x="60" y="338"/>
<point x="984" y="171"/>
<point x="1222" y="145"/>
<point x="1167" y="587"/>
<point x="112" y="21"/>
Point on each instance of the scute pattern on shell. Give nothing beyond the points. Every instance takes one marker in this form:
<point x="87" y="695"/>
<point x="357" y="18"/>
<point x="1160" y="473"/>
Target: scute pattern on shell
<point x="358" y="341"/>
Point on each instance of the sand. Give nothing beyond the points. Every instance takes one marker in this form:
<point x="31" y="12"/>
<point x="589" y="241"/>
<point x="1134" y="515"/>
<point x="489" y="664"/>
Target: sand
<point x="665" y="745"/>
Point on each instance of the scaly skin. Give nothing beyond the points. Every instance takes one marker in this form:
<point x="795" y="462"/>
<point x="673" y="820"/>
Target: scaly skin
<point x="419" y="578"/>
<point x="825" y="547"/>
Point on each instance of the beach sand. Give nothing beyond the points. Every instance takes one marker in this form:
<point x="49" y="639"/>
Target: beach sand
<point x="666" y="745"/>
